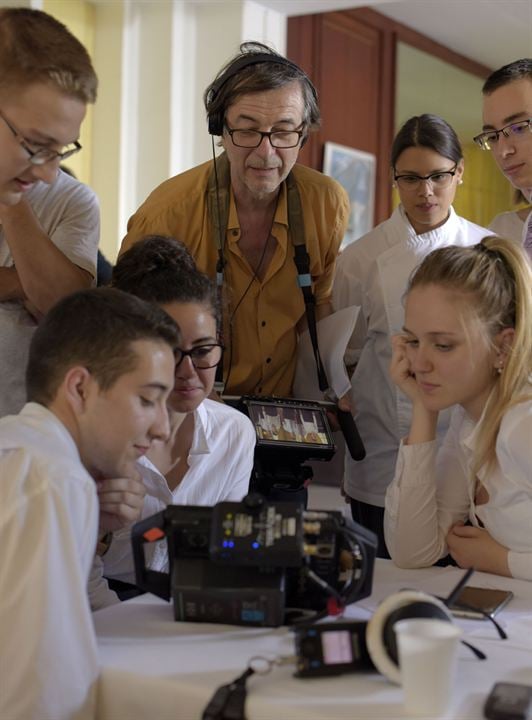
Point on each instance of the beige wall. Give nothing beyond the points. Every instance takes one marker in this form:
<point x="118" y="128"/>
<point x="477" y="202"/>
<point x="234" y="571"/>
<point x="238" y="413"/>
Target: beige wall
<point x="105" y="159"/>
<point x="78" y="16"/>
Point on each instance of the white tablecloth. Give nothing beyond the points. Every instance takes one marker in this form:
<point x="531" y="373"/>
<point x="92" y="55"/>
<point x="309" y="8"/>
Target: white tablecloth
<point x="156" y="668"/>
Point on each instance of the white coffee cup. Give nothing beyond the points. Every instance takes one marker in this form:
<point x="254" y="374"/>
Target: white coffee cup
<point x="427" y="662"/>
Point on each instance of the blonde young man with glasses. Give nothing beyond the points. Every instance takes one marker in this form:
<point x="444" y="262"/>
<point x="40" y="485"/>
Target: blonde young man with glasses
<point x="49" y="221"/>
<point x="507" y="133"/>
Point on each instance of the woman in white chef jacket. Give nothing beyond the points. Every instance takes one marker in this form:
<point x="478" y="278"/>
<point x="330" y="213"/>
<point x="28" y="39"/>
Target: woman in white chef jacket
<point x="427" y="165"/>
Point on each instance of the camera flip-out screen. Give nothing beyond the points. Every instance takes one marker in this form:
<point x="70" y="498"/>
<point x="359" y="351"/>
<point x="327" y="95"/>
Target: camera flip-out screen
<point x="282" y="423"/>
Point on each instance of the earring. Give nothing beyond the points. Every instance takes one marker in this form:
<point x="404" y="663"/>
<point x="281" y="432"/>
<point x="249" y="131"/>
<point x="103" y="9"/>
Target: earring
<point x="500" y="367"/>
<point x="460" y="182"/>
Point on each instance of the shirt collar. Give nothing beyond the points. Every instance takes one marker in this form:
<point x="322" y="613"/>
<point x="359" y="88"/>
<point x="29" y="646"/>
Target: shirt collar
<point x="35" y="416"/>
<point x="281" y="211"/>
<point x="470" y="428"/>
<point x="447" y="229"/>
<point x="200" y="441"/>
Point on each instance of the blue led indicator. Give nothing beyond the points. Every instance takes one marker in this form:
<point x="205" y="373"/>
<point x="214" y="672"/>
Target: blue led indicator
<point x="230" y="543"/>
<point x="255" y="545"/>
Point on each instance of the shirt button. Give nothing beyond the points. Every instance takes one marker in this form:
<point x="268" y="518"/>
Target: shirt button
<point x="268" y="360"/>
<point x="263" y="323"/>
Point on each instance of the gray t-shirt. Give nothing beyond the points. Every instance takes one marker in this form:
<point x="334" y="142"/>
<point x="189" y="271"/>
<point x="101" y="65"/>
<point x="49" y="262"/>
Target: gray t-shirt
<point x="68" y="212"/>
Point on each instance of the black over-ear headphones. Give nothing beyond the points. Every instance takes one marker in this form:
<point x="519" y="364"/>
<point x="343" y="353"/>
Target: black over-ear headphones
<point x="216" y="119"/>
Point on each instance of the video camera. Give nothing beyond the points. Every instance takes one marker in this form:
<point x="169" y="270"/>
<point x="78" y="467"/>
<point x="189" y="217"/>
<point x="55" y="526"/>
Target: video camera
<point x="289" y="432"/>
<point x="252" y="562"/>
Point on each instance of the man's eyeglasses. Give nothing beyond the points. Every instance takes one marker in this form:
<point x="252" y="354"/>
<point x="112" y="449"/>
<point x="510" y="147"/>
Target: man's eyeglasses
<point x="486" y="140"/>
<point x="40" y="156"/>
<point x="202" y="356"/>
<point x="438" y="180"/>
<point x="253" y="138"/>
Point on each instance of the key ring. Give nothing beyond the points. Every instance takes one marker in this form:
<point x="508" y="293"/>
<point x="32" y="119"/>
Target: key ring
<point x="263" y="664"/>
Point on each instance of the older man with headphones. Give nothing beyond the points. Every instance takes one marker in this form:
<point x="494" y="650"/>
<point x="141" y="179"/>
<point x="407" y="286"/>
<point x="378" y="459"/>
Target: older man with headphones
<point x="252" y="214"/>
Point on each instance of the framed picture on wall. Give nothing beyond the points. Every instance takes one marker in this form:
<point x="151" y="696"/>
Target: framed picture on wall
<point x="355" y="170"/>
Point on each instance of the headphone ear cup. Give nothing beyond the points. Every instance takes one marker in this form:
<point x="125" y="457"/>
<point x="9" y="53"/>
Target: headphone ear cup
<point x="380" y="635"/>
<point x="215" y="124"/>
<point x="214" y="119"/>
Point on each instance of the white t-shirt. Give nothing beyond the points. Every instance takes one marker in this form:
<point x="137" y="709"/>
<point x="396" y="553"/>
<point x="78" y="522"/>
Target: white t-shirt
<point x="220" y="463"/>
<point x="434" y="488"/>
<point x="373" y="273"/>
<point x="48" y="530"/>
<point x="68" y="213"/>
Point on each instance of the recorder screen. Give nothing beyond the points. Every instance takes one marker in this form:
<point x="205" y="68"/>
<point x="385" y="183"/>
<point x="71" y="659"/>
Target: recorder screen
<point x="336" y="647"/>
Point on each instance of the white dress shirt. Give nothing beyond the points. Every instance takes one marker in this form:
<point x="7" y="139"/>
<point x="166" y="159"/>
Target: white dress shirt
<point x="48" y="530"/>
<point x="373" y="273"/>
<point x="434" y="489"/>
<point x="220" y="463"/>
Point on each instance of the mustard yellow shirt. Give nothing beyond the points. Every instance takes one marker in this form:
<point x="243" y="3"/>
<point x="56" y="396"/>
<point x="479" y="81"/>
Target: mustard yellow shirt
<point x="260" y="335"/>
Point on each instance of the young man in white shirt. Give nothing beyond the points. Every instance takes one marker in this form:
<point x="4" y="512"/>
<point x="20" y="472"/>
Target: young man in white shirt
<point x="49" y="222"/>
<point x="101" y="366"/>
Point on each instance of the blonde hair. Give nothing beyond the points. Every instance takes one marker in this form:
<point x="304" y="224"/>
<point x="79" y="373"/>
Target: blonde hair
<point x="35" y="47"/>
<point x="497" y="277"/>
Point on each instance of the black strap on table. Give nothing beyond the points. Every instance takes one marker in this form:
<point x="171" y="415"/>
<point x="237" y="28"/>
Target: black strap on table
<point x="228" y="701"/>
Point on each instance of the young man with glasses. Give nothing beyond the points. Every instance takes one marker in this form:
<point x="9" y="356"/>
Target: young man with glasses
<point x="507" y="133"/>
<point x="49" y="222"/>
<point x="236" y="222"/>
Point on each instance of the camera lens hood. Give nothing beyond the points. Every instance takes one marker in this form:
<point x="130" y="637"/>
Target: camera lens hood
<point x="380" y="635"/>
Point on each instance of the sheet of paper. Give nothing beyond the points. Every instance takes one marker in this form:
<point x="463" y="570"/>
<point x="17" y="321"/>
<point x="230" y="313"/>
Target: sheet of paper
<point x="334" y="333"/>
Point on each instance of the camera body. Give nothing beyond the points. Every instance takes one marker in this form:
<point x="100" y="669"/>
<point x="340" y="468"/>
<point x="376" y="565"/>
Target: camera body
<point x="247" y="563"/>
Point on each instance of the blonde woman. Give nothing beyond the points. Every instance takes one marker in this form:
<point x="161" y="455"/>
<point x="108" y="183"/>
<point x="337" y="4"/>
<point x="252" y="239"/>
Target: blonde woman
<point x="466" y="344"/>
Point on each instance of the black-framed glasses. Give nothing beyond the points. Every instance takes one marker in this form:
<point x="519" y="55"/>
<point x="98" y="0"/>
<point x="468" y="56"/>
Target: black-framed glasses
<point x="278" y="138"/>
<point x="438" y="180"/>
<point x="41" y="155"/>
<point x="201" y="356"/>
<point x="486" y="140"/>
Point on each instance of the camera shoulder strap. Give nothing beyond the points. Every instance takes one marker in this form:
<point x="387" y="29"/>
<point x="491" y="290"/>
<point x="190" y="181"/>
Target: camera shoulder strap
<point x="218" y="195"/>
<point x="296" y="224"/>
<point x="218" y="210"/>
<point x="218" y="207"/>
